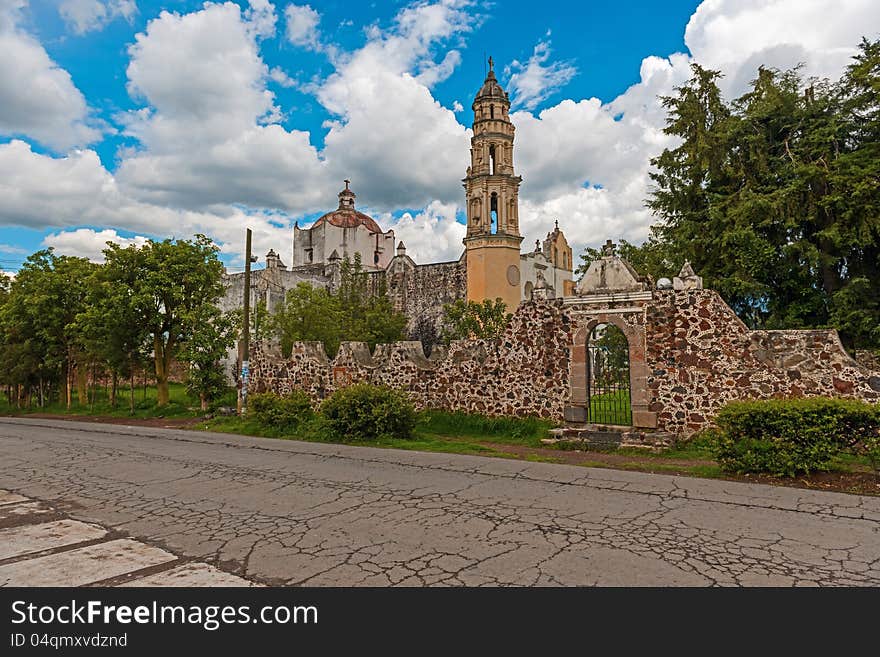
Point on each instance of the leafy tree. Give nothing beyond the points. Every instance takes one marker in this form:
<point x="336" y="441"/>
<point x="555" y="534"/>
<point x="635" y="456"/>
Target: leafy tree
<point x="175" y="282"/>
<point x="211" y="336"/>
<point x="39" y="318"/>
<point x="774" y="197"/>
<point x="111" y="323"/>
<point x="352" y="312"/>
<point x="471" y="320"/>
<point x="308" y="314"/>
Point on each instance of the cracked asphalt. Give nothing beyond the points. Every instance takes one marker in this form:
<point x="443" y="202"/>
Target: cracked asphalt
<point x="291" y="513"/>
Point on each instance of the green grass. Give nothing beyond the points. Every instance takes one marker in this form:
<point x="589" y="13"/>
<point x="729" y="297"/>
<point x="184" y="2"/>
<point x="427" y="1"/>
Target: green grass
<point x="526" y="431"/>
<point x="180" y="404"/>
<point x="315" y="431"/>
<point x="611" y="408"/>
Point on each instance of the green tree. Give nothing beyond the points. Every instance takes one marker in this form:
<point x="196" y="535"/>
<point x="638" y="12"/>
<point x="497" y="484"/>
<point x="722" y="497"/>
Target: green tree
<point x="39" y="318"/>
<point x="774" y="197"/>
<point x="111" y="323"/>
<point x="308" y="314"/>
<point x="212" y="334"/>
<point x="355" y="311"/>
<point x="471" y="320"/>
<point x="175" y="282"/>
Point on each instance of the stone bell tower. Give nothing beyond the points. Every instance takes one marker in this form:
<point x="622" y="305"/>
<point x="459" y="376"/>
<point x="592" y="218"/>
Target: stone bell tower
<point x="492" y="201"/>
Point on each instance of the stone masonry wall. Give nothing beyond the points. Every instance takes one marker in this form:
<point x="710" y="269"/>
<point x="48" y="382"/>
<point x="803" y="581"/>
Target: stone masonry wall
<point x="523" y="373"/>
<point x="700" y="356"/>
<point x="696" y="353"/>
<point x="422" y="290"/>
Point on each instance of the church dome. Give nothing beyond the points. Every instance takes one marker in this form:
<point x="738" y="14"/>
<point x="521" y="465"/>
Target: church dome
<point x="346" y="216"/>
<point x="491" y="88"/>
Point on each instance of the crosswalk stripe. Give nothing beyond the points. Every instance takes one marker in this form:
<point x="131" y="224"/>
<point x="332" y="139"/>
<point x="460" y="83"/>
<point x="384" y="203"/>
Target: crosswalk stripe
<point x="84" y="565"/>
<point x="191" y="574"/>
<point x="25" y="539"/>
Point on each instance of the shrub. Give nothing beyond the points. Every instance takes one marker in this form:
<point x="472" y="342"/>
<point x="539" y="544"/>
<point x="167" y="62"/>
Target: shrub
<point x="366" y="412"/>
<point x="791" y="436"/>
<point x="271" y="410"/>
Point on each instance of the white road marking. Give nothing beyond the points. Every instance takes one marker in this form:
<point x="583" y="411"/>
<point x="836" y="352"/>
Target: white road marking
<point x="191" y="574"/>
<point x="84" y="565"/>
<point x="25" y="539"/>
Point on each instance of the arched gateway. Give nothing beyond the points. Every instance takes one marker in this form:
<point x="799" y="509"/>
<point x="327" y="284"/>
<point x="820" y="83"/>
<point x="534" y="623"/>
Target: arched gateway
<point x="607" y="380"/>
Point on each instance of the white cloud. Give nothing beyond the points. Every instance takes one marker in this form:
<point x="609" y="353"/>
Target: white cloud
<point x="85" y="193"/>
<point x="432" y="235"/>
<point x="302" y="26"/>
<point x="261" y="18"/>
<point x="392" y="138"/>
<point x="279" y="76"/>
<point x="89" y="243"/>
<point x="208" y="135"/>
<point x="12" y="250"/>
<point x="736" y="36"/>
<point x="37" y="97"/>
<point x="87" y="15"/>
<point x="535" y="81"/>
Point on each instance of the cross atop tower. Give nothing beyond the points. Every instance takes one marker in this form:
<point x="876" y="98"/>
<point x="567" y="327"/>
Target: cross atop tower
<point x="491" y="64"/>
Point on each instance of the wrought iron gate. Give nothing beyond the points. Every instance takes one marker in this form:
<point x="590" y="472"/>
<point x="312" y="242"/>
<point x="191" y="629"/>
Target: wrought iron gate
<point x="608" y="389"/>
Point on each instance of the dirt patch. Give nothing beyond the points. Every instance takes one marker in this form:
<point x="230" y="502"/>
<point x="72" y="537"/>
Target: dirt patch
<point x="158" y="422"/>
<point x="859" y="482"/>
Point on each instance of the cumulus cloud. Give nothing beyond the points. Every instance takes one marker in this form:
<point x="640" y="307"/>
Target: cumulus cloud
<point x="84" y="193"/>
<point x="302" y="26"/>
<point x="89" y="243"/>
<point x="535" y="81"/>
<point x="212" y="157"/>
<point x="208" y="134"/>
<point x="736" y="36"/>
<point x="38" y="99"/>
<point x="596" y="184"/>
<point x="432" y="235"/>
<point x="87" y="15"/>
<point x="391" y="136"/>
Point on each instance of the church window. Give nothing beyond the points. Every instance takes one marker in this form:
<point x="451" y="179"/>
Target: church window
<point x="491" y="111"/>
<point x="492" y="160"/>
<point x="494" y="211"/>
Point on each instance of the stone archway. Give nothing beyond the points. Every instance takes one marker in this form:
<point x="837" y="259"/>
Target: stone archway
<point x="638" y="369"/>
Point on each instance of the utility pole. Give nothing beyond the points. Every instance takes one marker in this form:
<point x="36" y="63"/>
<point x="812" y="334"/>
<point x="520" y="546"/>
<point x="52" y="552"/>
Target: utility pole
<point x="246" y="330"/>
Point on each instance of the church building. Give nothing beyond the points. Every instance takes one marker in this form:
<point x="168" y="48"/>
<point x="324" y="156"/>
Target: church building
<point x="491" y="265"/>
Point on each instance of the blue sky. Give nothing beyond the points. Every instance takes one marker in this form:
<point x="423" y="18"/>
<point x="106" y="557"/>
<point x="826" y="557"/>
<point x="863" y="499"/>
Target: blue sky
<point x="119" y="121"/>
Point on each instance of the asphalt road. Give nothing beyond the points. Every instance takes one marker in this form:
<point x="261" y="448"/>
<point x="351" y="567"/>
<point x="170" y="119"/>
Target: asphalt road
<point x="285" y="512"/>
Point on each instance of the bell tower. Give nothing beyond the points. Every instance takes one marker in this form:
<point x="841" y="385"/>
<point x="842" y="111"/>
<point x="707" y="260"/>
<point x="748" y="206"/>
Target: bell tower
<point x="492" y="200"/>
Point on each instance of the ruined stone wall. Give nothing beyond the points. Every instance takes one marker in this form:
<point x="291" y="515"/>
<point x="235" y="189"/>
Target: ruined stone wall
<point x="523" y="373"/>
<point x="700" y="356"/>
<point x="422" y="290"/>
<point x="689" y="352"/>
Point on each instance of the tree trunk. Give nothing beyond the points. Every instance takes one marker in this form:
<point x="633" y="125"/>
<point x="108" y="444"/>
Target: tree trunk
<point x="204" y="401"/>
<point x="161" y="360"/>
<point x="42" y="399"/>
<point x="82" y="380"/>
<point x="114" y="386"/>
<point x="131" y="390"/>
<point x="68" y="385"/>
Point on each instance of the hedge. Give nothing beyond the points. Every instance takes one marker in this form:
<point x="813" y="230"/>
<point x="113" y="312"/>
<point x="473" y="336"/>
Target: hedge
<point x="793" y="436"/>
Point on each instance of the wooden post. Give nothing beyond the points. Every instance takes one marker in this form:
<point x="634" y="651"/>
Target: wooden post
<point x="245" y="329"/>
